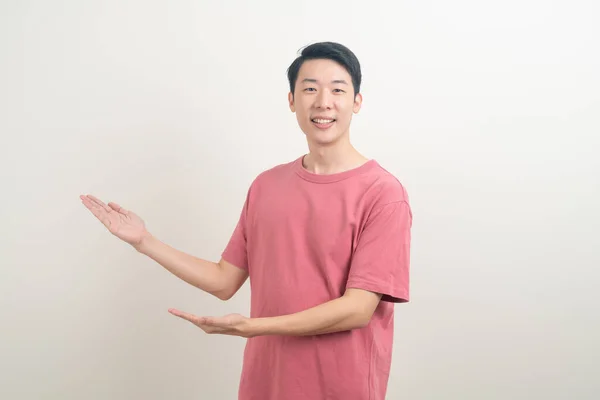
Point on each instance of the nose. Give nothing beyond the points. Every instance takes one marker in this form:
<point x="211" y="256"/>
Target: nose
<point x="323" y="100"/>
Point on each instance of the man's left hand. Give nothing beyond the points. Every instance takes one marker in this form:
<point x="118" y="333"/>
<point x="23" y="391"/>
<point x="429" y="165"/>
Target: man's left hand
<point x="232" y="324"/>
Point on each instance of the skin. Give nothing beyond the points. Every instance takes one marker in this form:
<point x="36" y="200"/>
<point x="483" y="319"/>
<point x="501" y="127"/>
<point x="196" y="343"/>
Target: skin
<point x="324" y="88"/>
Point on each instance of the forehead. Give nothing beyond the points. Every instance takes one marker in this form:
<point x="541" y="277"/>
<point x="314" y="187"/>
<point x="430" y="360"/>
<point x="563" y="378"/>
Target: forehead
<point x="323" y="71"/>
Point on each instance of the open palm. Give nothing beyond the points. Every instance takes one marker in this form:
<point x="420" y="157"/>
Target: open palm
<point x="122" y="223"/>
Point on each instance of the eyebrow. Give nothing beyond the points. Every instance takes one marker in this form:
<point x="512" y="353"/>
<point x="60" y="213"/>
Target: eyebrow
<point x="315" y="81"/>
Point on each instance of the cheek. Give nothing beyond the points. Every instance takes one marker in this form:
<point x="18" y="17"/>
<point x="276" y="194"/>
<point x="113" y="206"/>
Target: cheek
<point x="301" y="114"/>
<point x="344" y="106"/>
<point x="302" y="118"/>
<point x="344" y="110"/>
<point x="301" y="106"/>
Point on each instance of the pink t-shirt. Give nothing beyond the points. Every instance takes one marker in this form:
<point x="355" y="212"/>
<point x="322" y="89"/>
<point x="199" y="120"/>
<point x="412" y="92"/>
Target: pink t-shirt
<point x="304" y="238"/>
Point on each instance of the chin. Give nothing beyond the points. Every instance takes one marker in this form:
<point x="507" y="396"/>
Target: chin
<point x="323" y="138"/>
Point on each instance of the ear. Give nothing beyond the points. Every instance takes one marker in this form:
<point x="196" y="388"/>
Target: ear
<point x="291" y="102"/>
<point x="357" y="103"/>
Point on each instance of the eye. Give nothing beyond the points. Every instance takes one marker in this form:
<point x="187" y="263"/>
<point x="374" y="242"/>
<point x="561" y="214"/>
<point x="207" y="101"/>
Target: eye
<point x="339" y="90"/>
<point x="309" y="89"/>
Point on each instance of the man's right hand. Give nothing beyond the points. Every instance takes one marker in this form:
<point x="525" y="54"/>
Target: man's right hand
<point x="122" y="223"/>
<point x="220" y="279"/>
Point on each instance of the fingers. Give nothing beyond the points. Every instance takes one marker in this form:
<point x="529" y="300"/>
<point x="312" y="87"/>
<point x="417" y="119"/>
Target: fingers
<point x="101" y="215"/>
<point x="189" y="317"/>
<point x="207" y="324"/>
<point x="118" y="208"/>
<point x="87" y="202"/>
<point x="97" y="209"/>
<point x="96" y="201"/>
<point x="91" y="201"/>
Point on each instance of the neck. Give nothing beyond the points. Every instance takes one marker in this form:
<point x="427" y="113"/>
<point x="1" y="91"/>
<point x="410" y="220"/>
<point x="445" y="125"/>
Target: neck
<point x="332" y="159"/>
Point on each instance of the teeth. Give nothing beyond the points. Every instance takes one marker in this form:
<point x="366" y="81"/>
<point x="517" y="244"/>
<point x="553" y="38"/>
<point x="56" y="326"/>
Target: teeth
<point x="323" y="121"/>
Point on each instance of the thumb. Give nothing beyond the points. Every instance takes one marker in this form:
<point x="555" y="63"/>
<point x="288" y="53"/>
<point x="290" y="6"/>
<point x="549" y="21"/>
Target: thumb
<point x="118" y="208"/>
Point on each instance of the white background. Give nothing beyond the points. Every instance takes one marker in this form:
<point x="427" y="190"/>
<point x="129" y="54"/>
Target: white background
<point x="488" y="112"/>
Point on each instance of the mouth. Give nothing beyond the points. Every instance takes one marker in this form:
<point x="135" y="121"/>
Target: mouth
<point x="323" y="123"/>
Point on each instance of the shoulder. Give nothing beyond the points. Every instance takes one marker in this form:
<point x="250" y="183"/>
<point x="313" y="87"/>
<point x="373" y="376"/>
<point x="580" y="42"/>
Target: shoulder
<point x="385" y="187"/>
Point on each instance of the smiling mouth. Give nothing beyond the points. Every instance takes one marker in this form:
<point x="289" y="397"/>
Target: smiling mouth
<point x="322" y="121"/>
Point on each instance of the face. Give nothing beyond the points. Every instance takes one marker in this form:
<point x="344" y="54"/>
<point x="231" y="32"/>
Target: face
<point x="324" y="101"/>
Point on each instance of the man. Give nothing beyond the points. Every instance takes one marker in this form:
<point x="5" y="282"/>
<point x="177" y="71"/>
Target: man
<point x="325" y="241"/>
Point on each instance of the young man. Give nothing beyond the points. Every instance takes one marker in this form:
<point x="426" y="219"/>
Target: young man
<point x="325" y="241"/>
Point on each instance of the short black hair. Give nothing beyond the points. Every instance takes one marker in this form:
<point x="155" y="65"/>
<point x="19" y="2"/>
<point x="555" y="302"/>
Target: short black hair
<point x="330" y="51"/>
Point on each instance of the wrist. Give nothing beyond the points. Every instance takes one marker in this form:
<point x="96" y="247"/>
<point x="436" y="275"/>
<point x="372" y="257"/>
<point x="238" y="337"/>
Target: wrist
<point x="144" y="243"/>
<point x="259" y="327"/>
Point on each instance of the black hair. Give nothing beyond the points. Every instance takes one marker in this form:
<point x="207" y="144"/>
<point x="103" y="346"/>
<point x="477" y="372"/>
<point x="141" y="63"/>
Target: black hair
<point x="330" y="51"/>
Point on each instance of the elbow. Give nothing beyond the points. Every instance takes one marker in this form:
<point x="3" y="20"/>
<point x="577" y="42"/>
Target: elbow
<point x="226" y="293"/>
<point x="362" y="317"/>
<point x="223" y="295"/>
<point x="363" y="321"/>
<point x="361" y="305"/>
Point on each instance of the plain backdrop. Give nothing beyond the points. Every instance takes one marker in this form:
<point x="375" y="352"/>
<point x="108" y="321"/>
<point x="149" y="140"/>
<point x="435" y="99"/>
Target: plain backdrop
<point x="488" y="113"/>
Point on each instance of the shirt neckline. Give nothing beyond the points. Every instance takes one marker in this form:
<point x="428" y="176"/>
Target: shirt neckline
<point x="330" y="178"/>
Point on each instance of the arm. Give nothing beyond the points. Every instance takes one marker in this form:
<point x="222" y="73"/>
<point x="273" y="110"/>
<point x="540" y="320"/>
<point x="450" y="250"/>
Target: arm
<point x="353" y="310"/>
<point x="221" y="279"/>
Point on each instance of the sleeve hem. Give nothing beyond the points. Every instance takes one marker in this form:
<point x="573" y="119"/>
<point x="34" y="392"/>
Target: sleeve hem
<point x="235" y="261"/>
<point x="388" y="294"/>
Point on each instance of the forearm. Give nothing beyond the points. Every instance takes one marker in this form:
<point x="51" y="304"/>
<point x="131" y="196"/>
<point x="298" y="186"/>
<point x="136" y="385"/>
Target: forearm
<point x="203" y="274"/>
<point x="337" y="315"/>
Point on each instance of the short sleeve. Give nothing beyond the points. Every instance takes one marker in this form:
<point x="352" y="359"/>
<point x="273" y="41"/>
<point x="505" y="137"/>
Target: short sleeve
<point x="381" y="261"/>
<point x="236" y="251"/>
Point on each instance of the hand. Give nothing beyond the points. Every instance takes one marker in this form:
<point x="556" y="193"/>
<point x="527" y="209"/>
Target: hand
<point x="122" y="223"/>
<point x="232" y="324"/>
